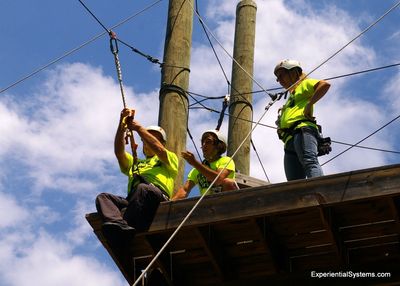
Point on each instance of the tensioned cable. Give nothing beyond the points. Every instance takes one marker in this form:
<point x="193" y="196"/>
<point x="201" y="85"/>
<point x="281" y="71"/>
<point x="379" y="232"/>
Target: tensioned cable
<point x="212" y="46"/>
<point x="212" y="183"/>
<point x="365" y="147"/>
<point x="259" y="159"/>
<point x="216" y="56"/>
<point x="359" y="35"/>
<point x="274" y="127"/>
<point x="112" y="34"/>
<point x="341" y="76"/>
<point x="329" y="78"/>
<point x="77" y="48"/>
<point x="365" y="138"/>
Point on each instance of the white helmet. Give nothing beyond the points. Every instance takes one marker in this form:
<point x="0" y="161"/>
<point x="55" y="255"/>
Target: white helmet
<point x="159" y="130"/>
<point x="218" y="133"/>
<point x="288" y="64"/>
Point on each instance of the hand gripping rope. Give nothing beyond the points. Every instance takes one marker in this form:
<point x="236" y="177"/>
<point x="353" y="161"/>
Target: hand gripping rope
<point x="114" y="51"/>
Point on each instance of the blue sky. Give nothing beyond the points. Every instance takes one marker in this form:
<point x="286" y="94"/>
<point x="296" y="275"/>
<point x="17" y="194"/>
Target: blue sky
<point x="57" y="127"/>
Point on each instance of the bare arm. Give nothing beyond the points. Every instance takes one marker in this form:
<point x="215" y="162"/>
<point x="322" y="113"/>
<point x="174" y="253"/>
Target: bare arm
<point x="184" y="191"/>
<point x="320" y="89"/>
<point x="207" y="172"/>
<point x="119" y="141"/>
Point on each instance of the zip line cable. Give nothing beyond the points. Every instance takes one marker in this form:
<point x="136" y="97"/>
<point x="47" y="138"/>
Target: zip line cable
<point x="364" y="71"/>
<point x="329" y="78"/>
<point x="274" y="127"/>
<point x="365" y="138"/>
<point x="115" y="50"/>
<point x="341" y="76"/>
<point x="355" y="38"/>
<point x="259" y="160"/>
<point x="227" y="53"/>
<point x="218" y="60"/>
<point x="365" y="147"/>
<point x="109" y="31"/>
<point x="66" y="54"/>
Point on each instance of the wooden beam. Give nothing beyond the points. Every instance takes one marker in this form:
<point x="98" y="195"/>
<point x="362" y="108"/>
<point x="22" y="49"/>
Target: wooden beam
<point x="329" y="224"/>
<point x="245" y="181"/>
<point x="210" y="244"/>
<point x="283" y="197"/>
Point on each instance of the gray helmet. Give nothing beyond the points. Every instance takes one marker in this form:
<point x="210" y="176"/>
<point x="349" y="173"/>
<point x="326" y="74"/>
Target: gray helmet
<point x="159" y="130"/>
<point x="288" y="65"/>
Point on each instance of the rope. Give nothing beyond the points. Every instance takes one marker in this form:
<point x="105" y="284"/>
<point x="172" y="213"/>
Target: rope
<point x="259" y="159"/>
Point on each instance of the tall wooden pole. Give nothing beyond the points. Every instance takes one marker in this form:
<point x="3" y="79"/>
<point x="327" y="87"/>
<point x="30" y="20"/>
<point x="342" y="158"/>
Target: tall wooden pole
<point x="240" y="108"/>
<point x="173" y="114"/>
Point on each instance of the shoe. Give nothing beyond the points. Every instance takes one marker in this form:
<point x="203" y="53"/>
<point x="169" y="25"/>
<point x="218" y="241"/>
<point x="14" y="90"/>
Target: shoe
<point x="118" y="228"/>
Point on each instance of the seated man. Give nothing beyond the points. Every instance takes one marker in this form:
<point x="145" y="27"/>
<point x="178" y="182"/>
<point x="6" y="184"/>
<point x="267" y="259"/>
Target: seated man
<point x="213" y="144"/>
<point x="151" y="180"/>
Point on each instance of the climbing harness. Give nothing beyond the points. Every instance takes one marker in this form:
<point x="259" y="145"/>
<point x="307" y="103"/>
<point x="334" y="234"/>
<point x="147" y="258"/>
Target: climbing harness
<point x="129" y="134"/>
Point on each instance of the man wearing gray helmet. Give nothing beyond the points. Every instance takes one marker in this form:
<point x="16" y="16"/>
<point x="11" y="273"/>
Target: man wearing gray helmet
<point x="297" y="126"/>
<point x="213" y="144"/>
<point x="150" y="180"/>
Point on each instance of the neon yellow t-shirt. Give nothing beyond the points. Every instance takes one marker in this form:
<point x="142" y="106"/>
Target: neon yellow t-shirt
<point x="154" y="171"/>
<point x="196" y="177"/>
<point x="293" y="109"/>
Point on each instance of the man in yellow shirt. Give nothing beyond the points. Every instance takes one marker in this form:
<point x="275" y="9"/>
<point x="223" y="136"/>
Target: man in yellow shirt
<point x="297" y="127"/>
<point x="150" y="180"/>
<point x="213" y="144"/>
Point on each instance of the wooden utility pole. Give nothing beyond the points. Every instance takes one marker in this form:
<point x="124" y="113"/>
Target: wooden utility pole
<point x="173" y="114"/>
<point x="240" y="108"/>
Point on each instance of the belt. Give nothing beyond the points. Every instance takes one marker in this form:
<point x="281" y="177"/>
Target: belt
<point x="164" y="193"/>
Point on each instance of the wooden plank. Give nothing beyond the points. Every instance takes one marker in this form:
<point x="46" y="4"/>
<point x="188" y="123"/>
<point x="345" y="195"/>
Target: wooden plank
<point x="296" y="222"/>
<point x="325" y="260"/>
<point x="369" y="230"/>
<point x="245" y="181"/>
<point x="380" y="254"/>
<point x="279" y="198"/>
<point x="210" y="244"/>
<point x="363" y="212"/>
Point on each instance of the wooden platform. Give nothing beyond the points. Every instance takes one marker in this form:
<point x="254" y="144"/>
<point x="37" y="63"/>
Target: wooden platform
<point x="277" y="234"/>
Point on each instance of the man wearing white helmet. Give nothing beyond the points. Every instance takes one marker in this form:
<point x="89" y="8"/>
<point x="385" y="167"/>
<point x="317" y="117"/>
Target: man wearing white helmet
<point x="297" y="126"/>
<point x="213" y="144"/>
<point x="150" y="180"/>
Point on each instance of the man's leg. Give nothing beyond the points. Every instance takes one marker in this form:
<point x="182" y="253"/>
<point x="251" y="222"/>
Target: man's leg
<point x="293" y="168"/>
<point x="306" y="145"/>
<point x="109" y="207"/>
<point x="143" y="205"/>
<point x="114" y="228"/>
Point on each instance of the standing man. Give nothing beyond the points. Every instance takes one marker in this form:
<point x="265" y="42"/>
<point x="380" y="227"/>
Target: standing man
<point x="213" y="144"/>
<point x="297" y="126"/>
<point x="150" y="180"/>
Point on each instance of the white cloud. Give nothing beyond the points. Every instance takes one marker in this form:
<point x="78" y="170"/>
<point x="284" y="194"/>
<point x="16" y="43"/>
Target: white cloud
<point x="12" y="213"/>
<point x="47" y="262"/>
